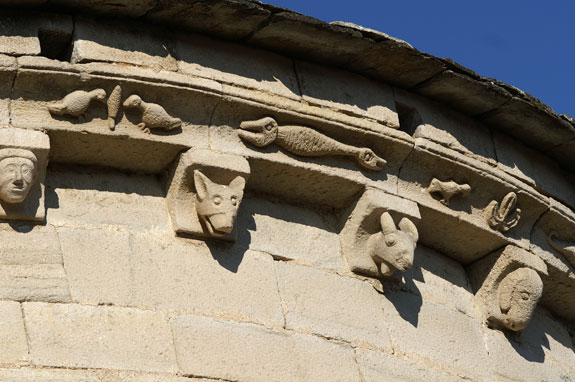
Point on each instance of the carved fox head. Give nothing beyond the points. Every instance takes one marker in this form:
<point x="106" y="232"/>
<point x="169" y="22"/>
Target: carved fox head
<point x="393" y="248"/>
<point x="217" y="204"/>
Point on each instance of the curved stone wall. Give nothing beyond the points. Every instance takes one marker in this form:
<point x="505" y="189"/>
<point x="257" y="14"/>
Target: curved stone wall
<point x="206" y="210"/>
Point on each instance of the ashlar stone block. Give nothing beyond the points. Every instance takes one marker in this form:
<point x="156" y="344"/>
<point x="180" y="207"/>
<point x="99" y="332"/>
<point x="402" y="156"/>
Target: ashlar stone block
<point x="331" y="305"/>
<point x="205" y="193"/>
<point x="99" y="337"/>
<point x="23" y="162"/>
<point x="247" y="352"/>
<point x="12" y="335"/>
<point x="47" y="375"/>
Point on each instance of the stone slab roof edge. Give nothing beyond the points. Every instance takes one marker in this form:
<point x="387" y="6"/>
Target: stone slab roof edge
<point x="357" y="49"/>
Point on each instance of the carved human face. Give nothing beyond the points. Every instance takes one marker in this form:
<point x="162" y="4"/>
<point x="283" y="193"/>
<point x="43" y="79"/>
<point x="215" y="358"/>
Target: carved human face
<point x="519" y="293"/>
<point x="16" y="178"/>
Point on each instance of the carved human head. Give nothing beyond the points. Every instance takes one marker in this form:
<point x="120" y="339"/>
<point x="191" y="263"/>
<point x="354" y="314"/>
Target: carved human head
<point x="217" y="204"/>
<point x="519" y="292"/>
<point x="17" y="174"/>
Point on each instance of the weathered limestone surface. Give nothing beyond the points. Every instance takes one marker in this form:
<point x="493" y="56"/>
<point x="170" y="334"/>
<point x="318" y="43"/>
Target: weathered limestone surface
<point x="253" y="353"/>
<point x="12" y="335"/>
<point x="99" y="337"/>
<point x="332" y="306"/>
<point x="47" y="375"/>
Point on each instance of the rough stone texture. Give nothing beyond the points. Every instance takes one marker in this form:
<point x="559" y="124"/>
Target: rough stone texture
<point x="421" y="327"/>
<point x="381" y="367"/>
<point x="99" y="337"/>
<point x="7" y="74"/>
<point x="98" y="269"/>
<point x="134" y="201"/>
<point x="31" y="265"/>
<point x="213" y="279"/>
<point x="543" y="353"/>
<point x="331" y="305"/>
<point x="249" y="352"/>
<point x="298" y="233"/>
<point x="138" y="45"/>
<point x="47" y="375"/>
<point x="473" y="97"/>
<point x="12" y="335"/>
<point x="237" y="65"/>
<point x="131" y="376"/>
<point x="348" y="92"/>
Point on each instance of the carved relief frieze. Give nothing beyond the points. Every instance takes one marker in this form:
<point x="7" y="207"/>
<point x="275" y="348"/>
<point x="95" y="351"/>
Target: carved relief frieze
<point x="205" y="193"/>
<point x="564" y="247"/>
<point x="154" y="116"/>
<point x="505" y="215"/>
<point x="76" y="103"/>
<point x="23" y="161"/>
<point x="509" y="286"/>
<point x="372" y="243"/>
<point x="447" y="190"/>
<point x="304" y="141"/>
<point x="114" y="103"/>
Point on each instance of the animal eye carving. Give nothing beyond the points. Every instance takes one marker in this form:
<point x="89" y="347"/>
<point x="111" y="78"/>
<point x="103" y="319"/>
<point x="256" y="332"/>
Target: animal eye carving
<point x="525" y="296"/>
<point x="390" y="240"/>
<point x="234" y="200"/>
<point x="269" y="127"/>
<point x="217" y="200"/>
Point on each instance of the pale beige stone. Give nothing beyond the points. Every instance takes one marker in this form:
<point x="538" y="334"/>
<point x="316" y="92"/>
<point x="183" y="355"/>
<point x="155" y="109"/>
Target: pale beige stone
<point x="436" y="333"/>
<point x="247" y="352"/>
<point x="99" y="337"/>
<point x="23" y="162"/>
<point x="205" y="192"/>
<point x="447" y="190"/>
<point x="12" y="335"/>
<point x="98" y="265"/>
<point x="152" y="115"/>
<point x="7" y="73"/>
<point x="94" y="198"/>
<point x="372" y="243"/>
<point x="209" y="279"/>
<point x="298" y="233"/>
<point x="47" y="375"/>
<point x="376" y="366"/>
<point x="347" y="92"/>
<point x="31" y="265"/>
<point x="331" y="305"/>
<point x="132" y="376"/>
<point x="237" y="65"/>
<point x="505" y="215"/>
<point x="76" y="103"/>
<point x="138" y="45"/>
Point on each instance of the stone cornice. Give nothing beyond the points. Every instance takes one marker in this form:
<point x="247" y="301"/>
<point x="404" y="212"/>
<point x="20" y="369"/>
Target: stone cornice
<point x="359" y="50"/>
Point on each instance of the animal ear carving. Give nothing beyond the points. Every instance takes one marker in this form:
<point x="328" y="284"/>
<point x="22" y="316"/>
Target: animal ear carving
<point x="205" y="193"/>
<point x="372" y="243"/>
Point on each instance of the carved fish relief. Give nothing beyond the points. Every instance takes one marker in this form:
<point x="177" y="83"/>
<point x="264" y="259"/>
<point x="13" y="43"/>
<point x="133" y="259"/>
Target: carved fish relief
<point x="304" y="141"/>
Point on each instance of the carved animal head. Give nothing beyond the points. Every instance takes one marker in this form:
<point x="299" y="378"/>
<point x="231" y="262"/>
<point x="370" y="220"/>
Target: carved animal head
<point x="369" y="160"/>
<point x="393" y="248"/>
<point x="217" y="204"/>
<point x="133" y="101"/>
<point x="99" y="94"/>
<point x="519" y="292"/>
<point x="260" y="133"/>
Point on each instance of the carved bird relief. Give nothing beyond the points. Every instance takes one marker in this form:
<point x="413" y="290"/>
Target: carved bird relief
<point x="304" y="141"/>
<point x="153" y="115"/>
<point x="76" y="103"/>
<point x="504" y="216"/>
<point x="447" y="190"/>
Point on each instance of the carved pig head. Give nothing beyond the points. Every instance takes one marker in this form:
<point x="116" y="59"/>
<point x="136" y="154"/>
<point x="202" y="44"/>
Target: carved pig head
<point x="393" y="248"/>
<point x="217" y="204"/>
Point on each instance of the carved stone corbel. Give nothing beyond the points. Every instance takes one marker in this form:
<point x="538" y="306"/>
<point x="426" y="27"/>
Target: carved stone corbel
<point x="205" y="192"/>
<point x="509" y="286"/>
<point x="372" y="244"/>
<point x="23" y="162"/>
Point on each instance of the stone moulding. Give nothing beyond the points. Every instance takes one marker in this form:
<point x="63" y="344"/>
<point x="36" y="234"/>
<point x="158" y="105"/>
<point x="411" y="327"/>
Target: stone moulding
<point x="205" y="192"/>
<point x="371" y="243"/>
<point x="23" y="162"/>
<point x="509" y="286"/>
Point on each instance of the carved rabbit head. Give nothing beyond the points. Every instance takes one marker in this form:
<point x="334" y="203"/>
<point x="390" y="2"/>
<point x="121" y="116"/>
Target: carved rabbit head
<point x="260" y="133"/>
<point x="133" y="101"/>
<point x="393" y="248"/>
<point x="217" y="204"/>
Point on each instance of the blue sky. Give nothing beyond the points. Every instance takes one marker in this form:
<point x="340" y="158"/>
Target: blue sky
<point x="528" y="44"/>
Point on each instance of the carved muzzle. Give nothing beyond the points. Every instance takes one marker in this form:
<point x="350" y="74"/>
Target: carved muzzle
<point x="260" y="133"/>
